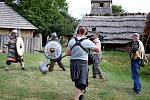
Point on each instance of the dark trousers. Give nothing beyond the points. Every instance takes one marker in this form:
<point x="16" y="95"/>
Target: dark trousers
<point x="59" y="64"/>
<point x="79" y="73"/>
<point x="135" y="71"/>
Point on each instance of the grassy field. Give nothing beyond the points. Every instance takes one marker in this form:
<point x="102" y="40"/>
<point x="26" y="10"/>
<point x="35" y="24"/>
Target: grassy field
<point x="16" y="84"/>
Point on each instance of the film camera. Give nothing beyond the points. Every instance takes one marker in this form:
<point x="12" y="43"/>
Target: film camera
<point x="91" y="37"/>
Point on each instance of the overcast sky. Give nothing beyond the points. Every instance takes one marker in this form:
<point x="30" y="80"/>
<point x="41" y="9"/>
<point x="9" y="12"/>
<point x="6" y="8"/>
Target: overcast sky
<point x="78" y="8"/>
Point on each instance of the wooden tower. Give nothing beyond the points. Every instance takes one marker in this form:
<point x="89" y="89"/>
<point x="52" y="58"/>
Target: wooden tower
<point x="101" y="7"/>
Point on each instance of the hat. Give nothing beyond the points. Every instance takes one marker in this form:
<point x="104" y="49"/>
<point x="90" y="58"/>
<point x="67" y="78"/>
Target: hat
<point x="135" y="34"/>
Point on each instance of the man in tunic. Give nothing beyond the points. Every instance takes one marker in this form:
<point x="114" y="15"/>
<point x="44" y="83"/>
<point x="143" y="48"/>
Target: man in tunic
<point x="12" y="51"/>
<point x="78" y="50"/>
<point x="52" y="62"/>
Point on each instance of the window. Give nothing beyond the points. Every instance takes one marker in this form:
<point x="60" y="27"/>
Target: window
<point x="101" y="5"/>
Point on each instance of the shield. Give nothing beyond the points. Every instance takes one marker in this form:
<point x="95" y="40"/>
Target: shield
<point x="53" y="50"/>
<point x="20" y="46"/>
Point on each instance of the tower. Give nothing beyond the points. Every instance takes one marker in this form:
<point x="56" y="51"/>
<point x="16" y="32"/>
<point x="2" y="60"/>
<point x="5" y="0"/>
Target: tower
<point x="101" y="7"/>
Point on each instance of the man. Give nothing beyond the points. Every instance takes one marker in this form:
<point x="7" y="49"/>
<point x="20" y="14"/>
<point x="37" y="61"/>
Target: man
<point x="12" y="51"/>
<point x="55" y="38"/>
<point x="96" y="59"/>
<point x="77" y="49"/>
<point x="137" y="52"/>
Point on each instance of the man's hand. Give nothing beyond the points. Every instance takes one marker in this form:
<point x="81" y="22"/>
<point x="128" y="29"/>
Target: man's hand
<point x="97" y="43"/>
<point x="96" y="40"/>
<point x="1" y="51"/>
<point x="68" y="52"/>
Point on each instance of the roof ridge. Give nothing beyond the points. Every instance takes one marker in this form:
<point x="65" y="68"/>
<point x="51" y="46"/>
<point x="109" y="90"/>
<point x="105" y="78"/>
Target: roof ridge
<point x="2" y="2"/>
<point x="10" y="18"/>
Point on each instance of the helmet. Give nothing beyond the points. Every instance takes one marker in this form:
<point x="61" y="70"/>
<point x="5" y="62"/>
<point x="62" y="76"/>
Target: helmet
<point x="43" y="68"/>
<point x="14" y="31"/>
<point x="13" y="34"/>
<point x="54" y="34"/>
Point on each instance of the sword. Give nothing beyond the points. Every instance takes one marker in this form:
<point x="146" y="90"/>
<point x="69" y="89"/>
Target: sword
<point x="63" y="56"/>
<point x="56" y="60"/>
<point x="40" y="51"/>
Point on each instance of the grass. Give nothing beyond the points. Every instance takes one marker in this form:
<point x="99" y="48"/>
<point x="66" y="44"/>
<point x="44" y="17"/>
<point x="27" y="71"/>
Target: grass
<point x="57" y="85"/>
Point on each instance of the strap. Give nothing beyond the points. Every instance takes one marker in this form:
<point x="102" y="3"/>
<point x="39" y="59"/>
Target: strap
<point x="78" y="42"/>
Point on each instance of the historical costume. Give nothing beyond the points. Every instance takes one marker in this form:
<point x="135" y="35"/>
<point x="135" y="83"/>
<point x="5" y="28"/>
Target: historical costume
<point x="52" y="62"/>
<point x="12" y="51"/>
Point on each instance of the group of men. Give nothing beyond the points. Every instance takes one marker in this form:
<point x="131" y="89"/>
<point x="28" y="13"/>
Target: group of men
<point x="78" y="50"/>
<point x="13" y="57"/>
<point x="79" y="60"/>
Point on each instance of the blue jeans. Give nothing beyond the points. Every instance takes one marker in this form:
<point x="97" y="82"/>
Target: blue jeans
<point x="135" y="70"/>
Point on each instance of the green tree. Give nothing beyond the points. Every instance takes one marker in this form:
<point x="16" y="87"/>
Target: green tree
<point x="117" y="9"/>
<point x="47" y="15"/>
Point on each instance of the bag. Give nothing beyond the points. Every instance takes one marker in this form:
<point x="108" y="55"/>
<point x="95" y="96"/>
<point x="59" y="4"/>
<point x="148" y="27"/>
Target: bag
<point x="144" y="61"/>
<point x="90" y="59"/>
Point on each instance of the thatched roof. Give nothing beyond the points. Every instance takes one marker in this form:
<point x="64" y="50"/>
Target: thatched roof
<point x="98" y="11"/>
<point x="117" y="28"/>
<point x="101" y="0"/>
<point x="11" y="19"/>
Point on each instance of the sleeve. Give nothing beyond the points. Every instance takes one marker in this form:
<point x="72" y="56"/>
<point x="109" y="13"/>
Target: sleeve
<point x="89" y="44"/>
<point x="99" y="43"/>
<point x="135" y="47"/>
<point x="8" y="43"/>
<point x="70" y="43"/>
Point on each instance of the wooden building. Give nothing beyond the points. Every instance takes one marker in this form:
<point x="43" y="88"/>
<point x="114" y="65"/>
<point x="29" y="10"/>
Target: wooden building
<point x="9" y="20"/>
<point x="146" y="36"/>
<point x="116" y="29"/>
<point x="101" y="7"/>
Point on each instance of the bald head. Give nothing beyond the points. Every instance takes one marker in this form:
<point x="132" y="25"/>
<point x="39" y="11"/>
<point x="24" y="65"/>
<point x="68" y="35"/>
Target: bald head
<point x="82" y="30"/>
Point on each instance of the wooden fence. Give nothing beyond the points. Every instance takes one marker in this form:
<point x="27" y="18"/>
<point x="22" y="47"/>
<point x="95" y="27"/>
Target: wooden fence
<point x="30" y="43"/>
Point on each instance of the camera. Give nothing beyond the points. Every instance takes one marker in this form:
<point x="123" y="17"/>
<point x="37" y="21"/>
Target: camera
<point x="90" y="37"/>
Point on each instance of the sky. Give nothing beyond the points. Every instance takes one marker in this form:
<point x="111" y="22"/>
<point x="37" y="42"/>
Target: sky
<point x="78" y="8"/>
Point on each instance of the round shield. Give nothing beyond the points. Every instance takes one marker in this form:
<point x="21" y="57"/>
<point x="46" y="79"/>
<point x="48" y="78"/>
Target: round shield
<point x="43" y="68"/>
<point x="20" y="46"/>
<point x="53" y="50"/>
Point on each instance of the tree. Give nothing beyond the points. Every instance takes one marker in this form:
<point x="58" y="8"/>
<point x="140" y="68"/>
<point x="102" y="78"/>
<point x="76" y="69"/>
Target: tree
<point x="117" y="9"/>
<point x="47" y="15"/>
